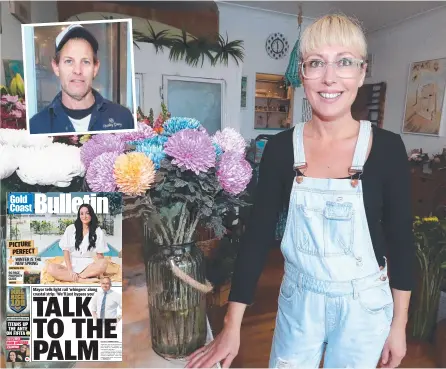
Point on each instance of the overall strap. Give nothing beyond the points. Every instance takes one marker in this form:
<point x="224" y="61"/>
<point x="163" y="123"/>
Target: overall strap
<point x="298" y="146"/>
<point x="362" y="145"/>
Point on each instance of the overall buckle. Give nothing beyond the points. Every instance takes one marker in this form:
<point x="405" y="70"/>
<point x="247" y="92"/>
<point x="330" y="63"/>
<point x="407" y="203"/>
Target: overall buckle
<point x="301" y="169"/>
<point x="351" y="173"/>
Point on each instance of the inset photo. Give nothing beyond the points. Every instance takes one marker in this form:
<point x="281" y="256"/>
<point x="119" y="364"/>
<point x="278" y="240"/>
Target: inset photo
<point x="79" y="77"/>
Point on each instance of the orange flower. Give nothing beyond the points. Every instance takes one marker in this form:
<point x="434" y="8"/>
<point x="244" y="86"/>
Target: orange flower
<point x="158" y="130"/>
<point x="134" y="173"/>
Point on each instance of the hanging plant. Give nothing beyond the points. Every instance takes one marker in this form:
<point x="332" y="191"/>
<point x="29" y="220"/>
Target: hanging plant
<point x="158" y="39"/>
<point x="225" y="49"/>
<point x="192" y="49"/>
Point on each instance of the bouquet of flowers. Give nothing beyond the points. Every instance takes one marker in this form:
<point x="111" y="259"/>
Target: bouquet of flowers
<point x="13" y="112"/>
<point x="178" y="174"/>
<point x="37" y="164"/>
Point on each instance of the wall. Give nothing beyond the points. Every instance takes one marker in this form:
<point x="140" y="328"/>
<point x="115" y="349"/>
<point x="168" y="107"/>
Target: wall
<point x="253" y="26"/>
<point x="11" y="37"/>
<point x="421" y="38"/>
<point x="153" y="66"/>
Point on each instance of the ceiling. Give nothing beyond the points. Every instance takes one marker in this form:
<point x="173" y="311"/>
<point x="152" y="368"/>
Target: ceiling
<point x="373" y="15"/>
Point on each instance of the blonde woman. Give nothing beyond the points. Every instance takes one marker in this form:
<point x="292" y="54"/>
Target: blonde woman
<point x="345" y="185"/>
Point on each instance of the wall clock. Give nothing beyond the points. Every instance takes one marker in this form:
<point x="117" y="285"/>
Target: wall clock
<point x="276" y="45"/>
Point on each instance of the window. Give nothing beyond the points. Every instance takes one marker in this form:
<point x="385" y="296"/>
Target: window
<point x="197" y="98"/>
<point x="139" y="94"/>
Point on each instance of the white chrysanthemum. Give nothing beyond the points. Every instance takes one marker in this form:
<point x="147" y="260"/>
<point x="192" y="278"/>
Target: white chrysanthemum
<point x="8" y="162"/>
<point x="230" y="140"/>
<point x="56" y="165"/>
<point x="21" y="138"/>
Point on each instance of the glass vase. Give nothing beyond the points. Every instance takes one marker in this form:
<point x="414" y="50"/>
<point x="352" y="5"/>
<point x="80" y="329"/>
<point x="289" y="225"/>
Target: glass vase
<point x="177" y="299"/>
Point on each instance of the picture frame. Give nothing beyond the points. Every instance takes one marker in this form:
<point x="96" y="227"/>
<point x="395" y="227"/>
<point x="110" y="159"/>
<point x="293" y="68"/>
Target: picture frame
<point x="425" y="98"/>
<point x="244" y="88"/>
<point x="21" y="10"/>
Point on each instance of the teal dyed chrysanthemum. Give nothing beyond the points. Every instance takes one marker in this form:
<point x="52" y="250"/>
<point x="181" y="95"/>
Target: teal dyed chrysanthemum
<point x="153" y="148"/>
<point x="218" y="150"/>
<point x="176" y="124"/>
<point x="155" y="140"/>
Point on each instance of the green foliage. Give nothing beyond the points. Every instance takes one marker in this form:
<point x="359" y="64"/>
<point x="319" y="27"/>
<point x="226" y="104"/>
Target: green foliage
<point x="226" y="49"/>
<point x="430" y="240"/>
<point x="63" y="224"/>
<point x="191" y="49"/>
<point x="182" y="200"/>
<point x="160" y="40"/>
<point x="114" y="202"/>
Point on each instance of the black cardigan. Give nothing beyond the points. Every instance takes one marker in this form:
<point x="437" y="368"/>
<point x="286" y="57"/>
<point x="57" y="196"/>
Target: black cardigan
<point x="387" y="201"/>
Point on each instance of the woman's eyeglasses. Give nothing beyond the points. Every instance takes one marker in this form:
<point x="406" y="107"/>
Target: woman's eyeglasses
<point x="344" y="68"/>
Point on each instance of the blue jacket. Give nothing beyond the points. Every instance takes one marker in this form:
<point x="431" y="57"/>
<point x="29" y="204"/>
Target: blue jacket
<point x="106" y="116"/>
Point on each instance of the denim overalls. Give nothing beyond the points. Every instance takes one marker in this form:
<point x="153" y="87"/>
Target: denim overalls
<point x="333" y="292"/>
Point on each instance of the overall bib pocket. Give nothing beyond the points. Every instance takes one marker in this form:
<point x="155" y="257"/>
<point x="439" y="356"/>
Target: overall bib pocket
<point x="338" y="228"/>
<point x="335" y="225"/>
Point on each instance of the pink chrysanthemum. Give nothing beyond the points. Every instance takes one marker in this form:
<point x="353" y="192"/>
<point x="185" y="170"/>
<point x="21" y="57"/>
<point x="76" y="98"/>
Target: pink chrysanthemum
<point x="230" y="140"/>
<point x="192" y="150"/>
<point x="144" y="131"/>
<point x="100" y="144"/>
<point x="100" y="172"/>
<point x="234" y="172"/>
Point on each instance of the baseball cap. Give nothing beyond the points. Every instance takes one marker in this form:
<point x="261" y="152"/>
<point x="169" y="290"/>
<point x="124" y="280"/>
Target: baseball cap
<point x="75" y="31"/>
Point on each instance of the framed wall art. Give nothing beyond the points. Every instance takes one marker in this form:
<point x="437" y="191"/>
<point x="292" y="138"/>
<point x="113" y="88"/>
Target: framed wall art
<point x="244" y="89"/>
<point x="425" y="98"/>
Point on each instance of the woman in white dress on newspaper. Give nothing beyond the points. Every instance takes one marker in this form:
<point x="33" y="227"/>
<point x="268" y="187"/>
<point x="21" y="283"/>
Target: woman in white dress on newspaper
<point x="80" y="243"/>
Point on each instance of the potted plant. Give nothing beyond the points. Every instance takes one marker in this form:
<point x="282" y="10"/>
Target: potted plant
<point x="430" y="239"/>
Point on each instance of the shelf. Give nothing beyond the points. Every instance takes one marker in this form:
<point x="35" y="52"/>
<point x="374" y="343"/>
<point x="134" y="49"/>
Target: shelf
<point x="270" y="93"/>
<point x="273" y="98"/>
<point x="271" y="111"/>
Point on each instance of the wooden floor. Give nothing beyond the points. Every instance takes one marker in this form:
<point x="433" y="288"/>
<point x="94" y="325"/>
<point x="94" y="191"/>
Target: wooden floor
<point x="258" y="324"/>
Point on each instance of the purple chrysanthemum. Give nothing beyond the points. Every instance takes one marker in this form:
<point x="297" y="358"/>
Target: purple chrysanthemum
<point x="100" y="144"/>
<point x="100" y="173"/>
<point x="192" y="150"/>
<point x="144" y="131"/>
<point x="230" y="140"/>
<point x="234" y="172"/>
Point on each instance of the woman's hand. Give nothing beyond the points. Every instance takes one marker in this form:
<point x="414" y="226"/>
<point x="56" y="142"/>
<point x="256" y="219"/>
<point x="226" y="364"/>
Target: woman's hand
<point x="223" y="348"/>
<point x="395" y="347"/>
<point x="74" y="276"/>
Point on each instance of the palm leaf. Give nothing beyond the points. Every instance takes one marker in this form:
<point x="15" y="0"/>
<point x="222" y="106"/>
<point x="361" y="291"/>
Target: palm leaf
<point x="225" y="49"/>
<point x="182" y="48"/>
<point x="201" y="49"/>
<point x="159" y="39"/>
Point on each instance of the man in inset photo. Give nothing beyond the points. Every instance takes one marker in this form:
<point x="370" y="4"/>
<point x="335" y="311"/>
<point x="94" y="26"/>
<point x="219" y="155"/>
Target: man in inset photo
<point x="79" y="107"/>
<point x="105" y="302"/>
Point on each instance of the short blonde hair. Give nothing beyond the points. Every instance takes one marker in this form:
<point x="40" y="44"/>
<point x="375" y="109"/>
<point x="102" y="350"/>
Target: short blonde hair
<point x="333" y="29"/>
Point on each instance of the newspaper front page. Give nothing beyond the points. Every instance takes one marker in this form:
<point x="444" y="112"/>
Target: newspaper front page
<point x="64" y="277"/>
